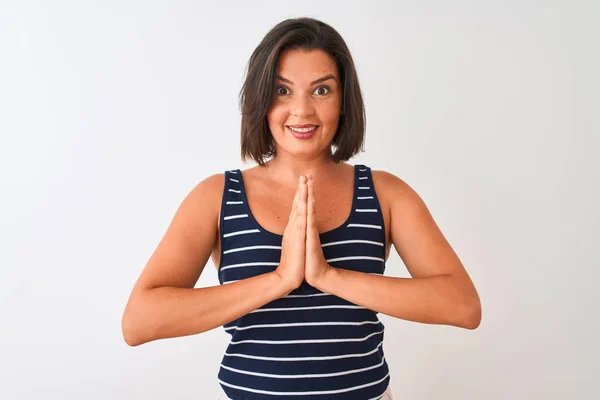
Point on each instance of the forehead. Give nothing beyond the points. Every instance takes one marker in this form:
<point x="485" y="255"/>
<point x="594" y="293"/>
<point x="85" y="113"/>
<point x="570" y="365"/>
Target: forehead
<point x="300" y="65"/>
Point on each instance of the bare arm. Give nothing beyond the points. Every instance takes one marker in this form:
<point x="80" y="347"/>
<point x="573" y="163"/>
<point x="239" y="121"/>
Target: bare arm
<point x="440" y="290"/>
<point x="430" y="300"/>
<point x="164" y="302"/>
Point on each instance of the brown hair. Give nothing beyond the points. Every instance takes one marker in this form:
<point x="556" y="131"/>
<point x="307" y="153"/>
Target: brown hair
<point x="255" y="96"/>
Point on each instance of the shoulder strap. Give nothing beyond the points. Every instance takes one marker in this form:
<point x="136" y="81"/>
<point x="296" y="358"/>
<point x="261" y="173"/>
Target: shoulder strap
<point x="364" y="183"/>
<point x="232" y="205"/>
<point x="367" y="210"/>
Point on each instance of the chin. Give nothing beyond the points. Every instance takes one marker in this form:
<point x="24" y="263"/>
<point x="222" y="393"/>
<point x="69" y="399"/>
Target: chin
<point x="306" y="150"/>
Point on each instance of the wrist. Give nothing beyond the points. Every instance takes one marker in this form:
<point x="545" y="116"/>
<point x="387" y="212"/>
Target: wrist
<point x="286" y="285"/>
<point x="323" y="281"/>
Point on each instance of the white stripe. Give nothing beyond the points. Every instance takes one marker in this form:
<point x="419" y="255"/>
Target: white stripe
<point x="363" y="177"/>
<point x="363" y="226"/>
<point x="364" y="197"/>
<point x="305" y="308"/>
<point x="243" y="328"/>
<point x="233" y="172"/>
<point x="235" y="202"/>
<point x="352" y="241"/>
<point x="352" y="371"/>
<point x="355" y="258"/>
<point x="234" y="180"/>
<point x="362" y="170"/>
<point x="250" y="248"/>
<point x="364" y="187"/>
<point x="307" y="295"/>
<point x="235" y="191"/>
<point x="305" y="393"/>
<point x="235" y="216"/>
<point x="307" y="341"/>
<point x="241" y="232"/>
<point x="305" y="358"/>
<point x="250" y="264"/>
<point x="366" y="210"/>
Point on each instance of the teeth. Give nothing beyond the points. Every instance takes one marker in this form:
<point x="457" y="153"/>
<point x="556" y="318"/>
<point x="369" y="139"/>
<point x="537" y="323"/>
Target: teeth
<point x="303" y="130"/>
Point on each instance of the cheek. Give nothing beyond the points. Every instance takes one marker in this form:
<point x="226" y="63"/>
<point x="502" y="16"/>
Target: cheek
<point x="276" y="117"/>
<point x="331" y="113"/>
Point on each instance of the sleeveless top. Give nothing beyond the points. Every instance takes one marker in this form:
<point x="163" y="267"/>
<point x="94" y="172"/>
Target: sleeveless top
<point x="308" y="344"/>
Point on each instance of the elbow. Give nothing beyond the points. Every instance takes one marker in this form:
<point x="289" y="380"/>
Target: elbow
<point x="470" y="316"/>
<point x="129" y="331"/>
<point x="133" y="328"/>
<point x="131" y="338"/>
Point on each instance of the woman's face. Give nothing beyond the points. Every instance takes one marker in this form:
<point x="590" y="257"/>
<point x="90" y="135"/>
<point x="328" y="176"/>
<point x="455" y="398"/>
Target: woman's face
<point x="306" y="103"/>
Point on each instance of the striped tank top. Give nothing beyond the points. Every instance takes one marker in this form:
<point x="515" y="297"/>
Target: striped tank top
<point x="308" y="344"/>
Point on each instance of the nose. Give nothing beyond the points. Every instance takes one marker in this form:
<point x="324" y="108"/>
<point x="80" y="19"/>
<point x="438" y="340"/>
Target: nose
<point x="302" y="106"/>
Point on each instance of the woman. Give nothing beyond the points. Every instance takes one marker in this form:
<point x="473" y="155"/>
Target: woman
<point x="300" y="240"/>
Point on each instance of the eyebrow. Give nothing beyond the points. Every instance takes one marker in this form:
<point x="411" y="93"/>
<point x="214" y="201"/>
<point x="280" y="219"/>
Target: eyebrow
<point x="323" y="79"/>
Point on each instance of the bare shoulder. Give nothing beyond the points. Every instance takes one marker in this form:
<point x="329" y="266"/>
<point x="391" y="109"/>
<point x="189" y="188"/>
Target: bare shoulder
<point x="386" y="179"/>
<point x="401" y="205"/>
<point x="183" y="251"/>
<point x="203" y="202"/>
<point x="208" y="191"/>
<point x="393" y="189"/>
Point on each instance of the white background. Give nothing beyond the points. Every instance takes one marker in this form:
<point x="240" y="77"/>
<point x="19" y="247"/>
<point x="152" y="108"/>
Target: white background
<point x="111" y="111"/>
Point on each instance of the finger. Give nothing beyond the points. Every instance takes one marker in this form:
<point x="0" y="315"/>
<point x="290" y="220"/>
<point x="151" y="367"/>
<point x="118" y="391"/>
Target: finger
<point x="302" y="195"/>
<point x="296" y="200"/>
<point x="298" y="189"/>
<point x="311" y="202"/>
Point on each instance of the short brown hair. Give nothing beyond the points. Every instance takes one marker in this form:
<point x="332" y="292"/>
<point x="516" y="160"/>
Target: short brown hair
<point x="257" y="143"/>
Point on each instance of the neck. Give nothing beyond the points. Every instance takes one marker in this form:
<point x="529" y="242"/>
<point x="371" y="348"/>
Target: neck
<point x="286" y="168"/>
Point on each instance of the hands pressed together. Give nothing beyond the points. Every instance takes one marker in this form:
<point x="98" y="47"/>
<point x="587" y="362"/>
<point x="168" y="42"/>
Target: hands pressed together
<point x="301" y="254"/>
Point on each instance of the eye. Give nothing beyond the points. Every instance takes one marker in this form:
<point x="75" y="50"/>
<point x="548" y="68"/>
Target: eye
<point x="281" y="90"/>
<point x="322" y="90"/>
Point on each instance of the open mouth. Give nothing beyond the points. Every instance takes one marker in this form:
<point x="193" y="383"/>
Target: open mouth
<point x="303" y="132"/>
<point x="303" y="129"/>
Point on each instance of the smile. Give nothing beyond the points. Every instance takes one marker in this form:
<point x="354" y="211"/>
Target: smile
<point x="303" y="130"/>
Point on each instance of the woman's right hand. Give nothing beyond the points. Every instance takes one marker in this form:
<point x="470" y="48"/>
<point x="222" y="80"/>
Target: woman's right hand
<point x="293" y="245"/>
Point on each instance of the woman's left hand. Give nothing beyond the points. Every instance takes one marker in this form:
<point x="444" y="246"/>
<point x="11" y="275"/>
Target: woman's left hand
<point x="316" y="267"/>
